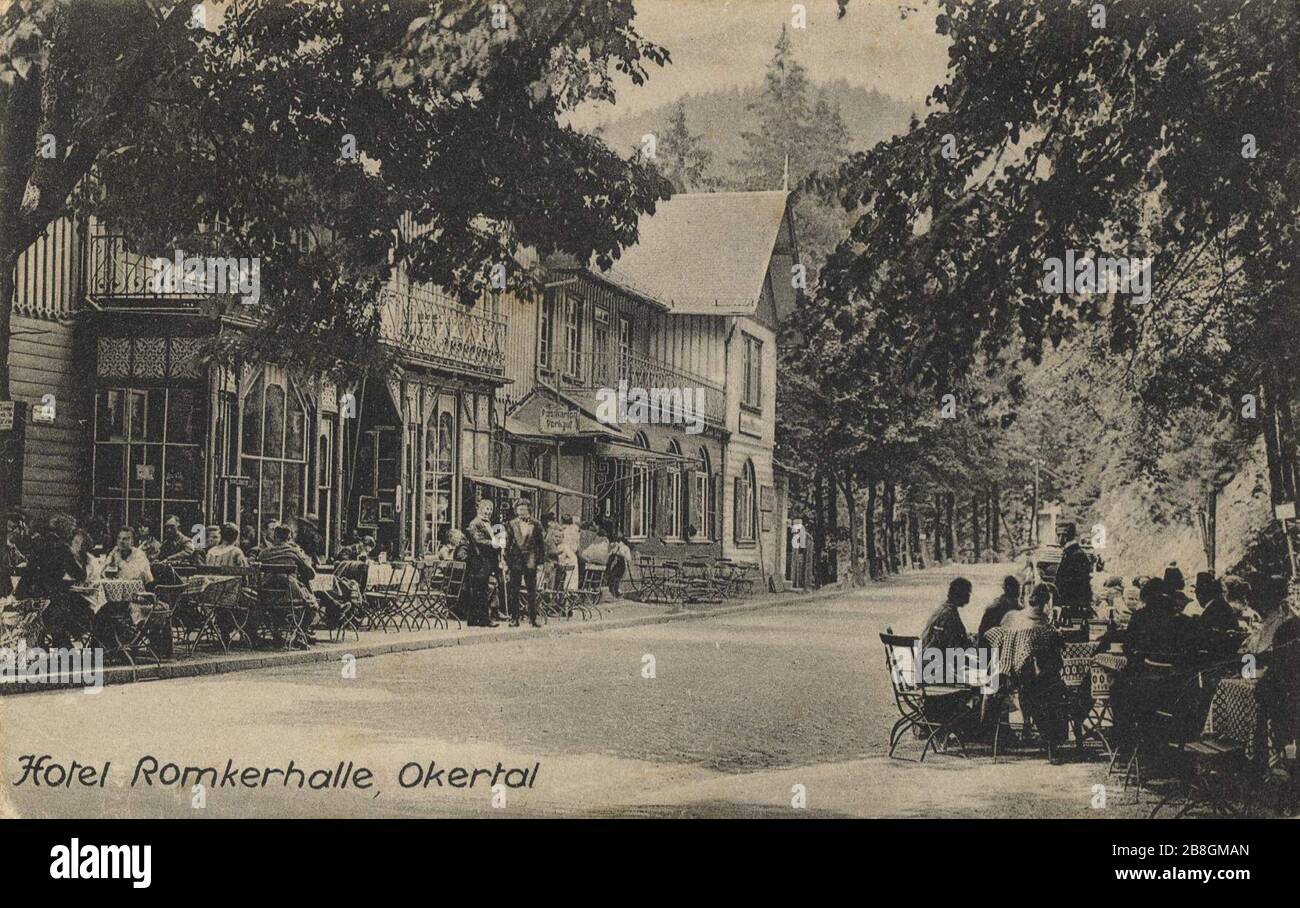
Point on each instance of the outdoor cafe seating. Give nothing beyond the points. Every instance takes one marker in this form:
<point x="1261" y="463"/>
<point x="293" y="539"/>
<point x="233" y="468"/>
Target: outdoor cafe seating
<point x="676" y="582"/>
<point x="1192" y="728"/>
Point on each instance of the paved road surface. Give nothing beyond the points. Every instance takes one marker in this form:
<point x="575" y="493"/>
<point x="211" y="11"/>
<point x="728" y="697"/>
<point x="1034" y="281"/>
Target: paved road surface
<point x="741" y="709"/>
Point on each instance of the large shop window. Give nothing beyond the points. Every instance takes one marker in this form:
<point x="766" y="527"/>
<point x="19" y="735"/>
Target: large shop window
<point x="640" y="505"/>
<point x="148" y="458"/>
<point x="274" y="449"/>
<point x="673" y="510"/>
<point x="746" y="504"/>
<point x="702" y="503"/>
<point x="439" y="471"/>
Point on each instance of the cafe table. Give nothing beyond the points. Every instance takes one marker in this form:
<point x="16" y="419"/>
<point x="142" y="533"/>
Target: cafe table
<point x="1235" y="715"/>
<point x="105" y="590"/>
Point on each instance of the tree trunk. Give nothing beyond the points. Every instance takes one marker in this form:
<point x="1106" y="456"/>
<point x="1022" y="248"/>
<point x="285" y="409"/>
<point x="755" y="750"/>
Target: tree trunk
<point x="10" y="455"/>
<point x="907" y="540"/>
<point x="819" y="528"/>
<point x="995" y="518"/>
<point x="950" y="525"/>
<point x="975" y="528"/>
<point x="855" y="553"/>
<point x="891" y="529"/>
<point x="873" y="555"/>
<point x="832" y="526"/>
<point x="939" y="528"/>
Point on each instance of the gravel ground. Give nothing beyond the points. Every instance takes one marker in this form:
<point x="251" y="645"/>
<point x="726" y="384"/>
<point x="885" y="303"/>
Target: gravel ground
<point x="741" y="710"/>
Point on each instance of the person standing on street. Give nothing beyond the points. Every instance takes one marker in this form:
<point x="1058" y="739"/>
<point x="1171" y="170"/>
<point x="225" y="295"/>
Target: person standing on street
<point x="525" y="551"/>
<point x="483" y="559"/>
<point x="1074" y="578"/>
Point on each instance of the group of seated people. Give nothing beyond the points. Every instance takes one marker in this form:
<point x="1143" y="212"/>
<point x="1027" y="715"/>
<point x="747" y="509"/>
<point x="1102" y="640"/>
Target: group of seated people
<point x="65" y="563"/>
<point x="1235" y="625"/>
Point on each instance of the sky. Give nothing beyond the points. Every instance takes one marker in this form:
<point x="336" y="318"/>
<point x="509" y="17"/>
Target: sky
<point x="724" y="43"/>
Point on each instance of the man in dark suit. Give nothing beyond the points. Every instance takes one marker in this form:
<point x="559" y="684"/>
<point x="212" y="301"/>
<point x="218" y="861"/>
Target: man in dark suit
<point x="484" y="557"/>
<point x="525" y="551"/>
<point x="1074" y="578"/>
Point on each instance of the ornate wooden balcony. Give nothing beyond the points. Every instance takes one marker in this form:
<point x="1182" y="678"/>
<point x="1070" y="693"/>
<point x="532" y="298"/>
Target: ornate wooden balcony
<point x="439" y="329"/>
<point x="588" y="370"/>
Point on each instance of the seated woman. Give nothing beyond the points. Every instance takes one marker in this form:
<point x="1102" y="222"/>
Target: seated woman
<point x="1031" y="656"/>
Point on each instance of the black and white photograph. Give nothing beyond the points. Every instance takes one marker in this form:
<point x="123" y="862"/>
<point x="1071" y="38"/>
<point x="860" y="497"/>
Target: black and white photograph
<point x="678" y="410"/>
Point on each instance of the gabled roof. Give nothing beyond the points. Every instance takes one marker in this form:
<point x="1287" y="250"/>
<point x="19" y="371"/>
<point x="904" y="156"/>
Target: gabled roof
<point x="704" y="253"/>
<point x="524" y="419"/>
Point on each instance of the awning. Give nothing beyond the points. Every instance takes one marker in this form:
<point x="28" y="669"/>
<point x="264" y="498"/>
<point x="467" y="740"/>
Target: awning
<point x="542" y="485"/>
<point x="643" y="456"/>
<point x="495" y="482"/>
<point x="537" y="416"/>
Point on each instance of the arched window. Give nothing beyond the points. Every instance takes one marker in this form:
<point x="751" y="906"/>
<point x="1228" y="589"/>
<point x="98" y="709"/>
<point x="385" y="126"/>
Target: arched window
<point x="702" y="504"/>
<point x="672" y="497"/>
<point x="745" y="504"/>
<point x="275" y="449"/>
<point x="640" y="512"/>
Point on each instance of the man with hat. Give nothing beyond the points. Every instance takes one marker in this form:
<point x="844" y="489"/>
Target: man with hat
<point x="1159" y="629"/>
<point x="1216" y="614"/>
<point x="1074" y="578"/>
<point x="525" y="552"/>
<point x="483" y="562"/>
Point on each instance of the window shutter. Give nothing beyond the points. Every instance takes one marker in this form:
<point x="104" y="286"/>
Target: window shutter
<point x="737" y="502"/>
<point x="664" y="486"/>
<point x="715" y="507"/>
<point x="687" y="519"/>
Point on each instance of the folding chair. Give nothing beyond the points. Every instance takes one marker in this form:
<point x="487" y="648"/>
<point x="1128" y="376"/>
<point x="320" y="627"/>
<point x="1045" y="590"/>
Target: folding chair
<point x="920" y="705"/>
<point x="586" y="598"/>
<point x="749" y="577"/>
<point x="171" y="595"/>
<point x="202" y="598"/>
<point x="351" y="615"/>
<point x="672" y="587"/>
<point x="27" y="624"/>
<point x="136" y="633"/>
<point x="235" y="605"/>
<point x="650" y="579"/>
<point x="448" y="595"/>
<point x="698" y="582"/>
<point x="406" y="599"/>
<point x="357" y="573"/>
<point x="384" y="601"/>
<point x="552" y="596"/>
<point x="280" y="612"/>
<point x="1205" y="767"/>
<point x="1149" y="703"/>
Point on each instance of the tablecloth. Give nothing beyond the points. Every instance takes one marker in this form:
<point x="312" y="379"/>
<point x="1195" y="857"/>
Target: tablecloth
<point x="1235" y="715"/>
<point x="101" y="592"/>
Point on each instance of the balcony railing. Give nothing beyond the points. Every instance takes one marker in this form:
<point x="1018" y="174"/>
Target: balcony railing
<point x="589" y="370"/>
<point x="116" y="273"/>
<point x="440" y="329"/>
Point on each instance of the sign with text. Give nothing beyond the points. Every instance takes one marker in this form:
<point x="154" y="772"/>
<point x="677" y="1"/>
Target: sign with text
<point x="751" y="423"/>
<point x="559" y="421"/>
<point x="6" y="415"/>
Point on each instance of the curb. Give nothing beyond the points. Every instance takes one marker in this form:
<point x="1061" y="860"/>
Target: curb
<point x="125" y="674"/>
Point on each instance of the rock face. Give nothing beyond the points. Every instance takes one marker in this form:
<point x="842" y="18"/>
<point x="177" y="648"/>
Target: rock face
<point x="1135" y="544"/>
